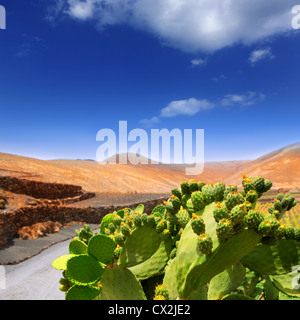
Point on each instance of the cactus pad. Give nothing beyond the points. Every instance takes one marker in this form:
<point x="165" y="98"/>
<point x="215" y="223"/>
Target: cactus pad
<point x="139" y="246"/>
<point x="84" y="269"/>
<point x="80" y="292"/>
<point x="120" y="284"/>
<point x="102" y="248"/>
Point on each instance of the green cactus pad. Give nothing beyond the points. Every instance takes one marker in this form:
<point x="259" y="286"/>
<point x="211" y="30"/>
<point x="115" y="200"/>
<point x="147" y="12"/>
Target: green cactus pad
<point x="226" y="281"/>
<point x="120" y="284"/>
<point x="107" y="219"/>
<point x="80" y="292"/>
<point x="84" y="269"/>
<point x="237" y="296"/>
<point x="77" y="246"/>
<point x="139" y="209"/>
<point x="155" y="264"/>
<point x="139" y="246"/>
<point x="61" y="262"/>
<point x="192" y="267"/>
<point x="288" y="283"/>
<point x="102" y="248"/>
<point x="273" y="260"/>
<point x="159" y="211"/>
<point x="169" y="282"/>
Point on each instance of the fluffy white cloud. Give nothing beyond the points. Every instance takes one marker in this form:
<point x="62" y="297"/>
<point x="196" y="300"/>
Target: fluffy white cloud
<point x="260" y="54"/>
<point x="82" y="9"/>
<point x="187" y="107"/>
<point x="192" y="106"/>
<point x="191" y="25"/>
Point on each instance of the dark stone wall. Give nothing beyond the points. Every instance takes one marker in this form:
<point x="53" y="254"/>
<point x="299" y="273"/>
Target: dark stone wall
<point x="10" y="222"/>
<point x="40" y="190"/>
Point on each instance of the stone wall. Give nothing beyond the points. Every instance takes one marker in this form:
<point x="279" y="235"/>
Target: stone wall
<point x="10" y="222"/>
<point x="38" y="189"/>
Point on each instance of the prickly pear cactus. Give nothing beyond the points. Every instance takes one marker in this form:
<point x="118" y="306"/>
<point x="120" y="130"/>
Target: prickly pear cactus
<point x="207" y="241"/>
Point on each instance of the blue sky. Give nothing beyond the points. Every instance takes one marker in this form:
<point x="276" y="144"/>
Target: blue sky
<point x="70" y="68"/>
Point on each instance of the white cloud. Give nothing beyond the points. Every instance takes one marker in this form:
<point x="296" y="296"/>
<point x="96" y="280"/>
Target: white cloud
<point x="192" y="106"/>
<point x="246" y="99"/>
<point x="199" y="62"/>
<point x="187" y="107"/>
<point x="148" y="123"/>
<point x="82" y="10"/>
<point x="193" y="25"/>
<point x="260" y="54"/>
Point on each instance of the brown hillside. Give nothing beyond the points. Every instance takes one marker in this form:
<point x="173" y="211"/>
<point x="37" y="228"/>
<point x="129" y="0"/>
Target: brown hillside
<point x="96" y="177"/>
<point x="282" y="167"/>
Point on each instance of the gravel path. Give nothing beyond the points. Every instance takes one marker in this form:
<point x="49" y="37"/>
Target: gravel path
<point x="35" y="279"/>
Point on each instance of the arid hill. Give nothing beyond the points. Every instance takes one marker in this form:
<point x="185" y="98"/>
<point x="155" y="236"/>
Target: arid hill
<point x="96" y="177"/>
<point x="282" y="167"/>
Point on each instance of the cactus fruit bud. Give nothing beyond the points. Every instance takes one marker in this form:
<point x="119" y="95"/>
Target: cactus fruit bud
<point x="224" y="230"/>
<point x="193" y="185"/>
<point x="254" y="218"/>
<point x="173" y="253"/>
<point x="161" y="226"/>
<point x="251" y="196"/>
<point x="119" y="239"/>
<point x="144" y="218"/>
<point x="111" y="227"/>
<point x="185" y="188"/>
<point x="230" y="188"/>
<point x="219" y="189"/>
<point x="176" y="203"/>
<point x="233" y="198"/>
<point x="151" y="221"/>
<point x="205" y="244"/>
<point x="198" y="225"/>
<point x="137" y="220"/>
<point x="177" y="193"/>
<point x="277" y="205"/>
<point x="208" y="193"/>
<point x="125" y="230"/>
<point x="161" y="290"/>
<point x="268" y="227"/>
<point x="237" y="214"/>
<point x="220" y="212"/>
<point x="268" y="185"/>
<point x="117" y="220"/>
<point x="183" y="217"/>
<point x="166" y="233"/>
<point x="201" y="184"/>
<point x="289" y="233"/>
<point x="198" y="200"/>
<point x="170" y="208"/>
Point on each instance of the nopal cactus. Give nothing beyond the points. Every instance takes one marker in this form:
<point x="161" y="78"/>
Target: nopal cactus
<point x="207" y="241"/>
